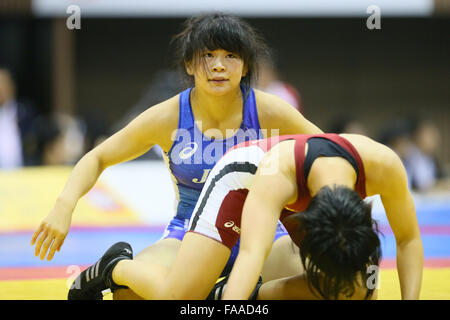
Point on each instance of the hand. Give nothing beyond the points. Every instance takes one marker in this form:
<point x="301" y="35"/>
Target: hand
<point x="53" y="230"/>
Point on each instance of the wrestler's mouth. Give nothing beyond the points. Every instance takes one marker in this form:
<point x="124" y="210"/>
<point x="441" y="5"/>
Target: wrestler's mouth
<point x="218" y="80"/>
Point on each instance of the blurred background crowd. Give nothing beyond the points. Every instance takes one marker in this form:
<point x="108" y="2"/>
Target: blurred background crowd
<point x="64" y="91"/>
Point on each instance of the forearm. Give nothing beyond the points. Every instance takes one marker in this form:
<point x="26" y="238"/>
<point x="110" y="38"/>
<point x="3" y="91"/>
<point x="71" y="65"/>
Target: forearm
<point x="83" y="177"/>
<point x="410" y="268"/>
<point x="244" y="276"/>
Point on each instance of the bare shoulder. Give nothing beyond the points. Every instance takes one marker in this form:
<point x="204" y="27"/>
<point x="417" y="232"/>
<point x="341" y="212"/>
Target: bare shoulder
<point x="277" y="169"/>
<point x="383" y="167"/>
<point x="369" y="149"/>
<point x="279" y="160"/>
<point x="270" y="105"/>
<point x="167" y="110"/>
<point x="276" y="114"/>
<point x="159" y="121"/>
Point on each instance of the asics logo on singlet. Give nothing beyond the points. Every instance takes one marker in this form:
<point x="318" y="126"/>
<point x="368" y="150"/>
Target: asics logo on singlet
<point x="230" y="224"/>
<point x="188" y="151"/>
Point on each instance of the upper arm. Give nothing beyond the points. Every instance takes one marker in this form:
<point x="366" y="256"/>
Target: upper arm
<point x="397" y="199"/>
<point x="153" y="126"/>
<point x="280" y="118"/>
<point x="268" y="195"/>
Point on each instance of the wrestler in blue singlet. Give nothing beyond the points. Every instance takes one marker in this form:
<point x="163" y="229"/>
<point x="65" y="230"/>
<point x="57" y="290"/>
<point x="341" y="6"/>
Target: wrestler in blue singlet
<point x="193" y="155"/>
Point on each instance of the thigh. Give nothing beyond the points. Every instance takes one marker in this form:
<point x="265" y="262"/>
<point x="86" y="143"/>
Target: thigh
<point x="196" y="268"/>
<point x="283" y="260"/>
<point x="162" y="252"/>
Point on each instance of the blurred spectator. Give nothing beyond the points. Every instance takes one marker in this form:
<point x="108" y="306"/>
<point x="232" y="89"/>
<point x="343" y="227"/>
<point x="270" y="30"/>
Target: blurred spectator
<point x="15" y="125"/>
<point x="59" y="139"/>
<point x="422" y="161"/>
<point x="269" y="80"/>
<point x="348" y="124"/>
<point x="416" y="142"/>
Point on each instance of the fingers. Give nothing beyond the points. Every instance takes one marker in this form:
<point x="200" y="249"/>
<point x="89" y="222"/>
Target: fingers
<point x="36" y="233"/>
<point x="45" y="246"/>
<point x="47" y="239"/>
<point x="56" y="245"/>
<point x="40" y="241"/>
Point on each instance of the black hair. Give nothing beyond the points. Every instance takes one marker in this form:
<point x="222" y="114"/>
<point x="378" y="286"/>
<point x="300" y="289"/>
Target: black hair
<point x="340" y="240"/>
<point x="220" y="31"/>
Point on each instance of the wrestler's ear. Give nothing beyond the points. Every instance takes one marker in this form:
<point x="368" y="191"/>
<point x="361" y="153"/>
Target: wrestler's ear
<point x="245" y="70"/>
<point x="294" y="227"/>
<point x="189" y="67"/>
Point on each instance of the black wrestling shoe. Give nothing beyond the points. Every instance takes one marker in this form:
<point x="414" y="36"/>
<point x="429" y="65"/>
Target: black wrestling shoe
<point x="219" y="288"/>
<point x="98" y="277"/>
<point x="217" y="292"/>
